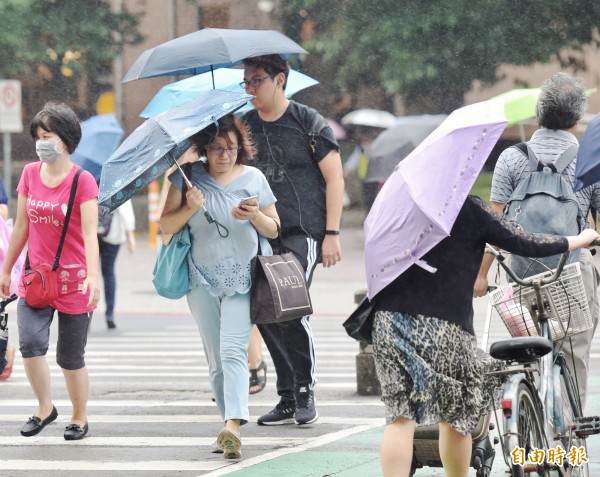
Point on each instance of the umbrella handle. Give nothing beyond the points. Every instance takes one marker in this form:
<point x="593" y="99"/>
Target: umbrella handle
<point x="185" y="178"/>
<point x="207" y="214"/>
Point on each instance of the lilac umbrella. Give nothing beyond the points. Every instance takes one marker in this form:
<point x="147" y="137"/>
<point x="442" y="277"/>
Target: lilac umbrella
<point x="418" y="204"/>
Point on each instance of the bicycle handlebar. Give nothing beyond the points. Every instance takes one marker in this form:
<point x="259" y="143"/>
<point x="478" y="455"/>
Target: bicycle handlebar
<point x="529" y="282"/>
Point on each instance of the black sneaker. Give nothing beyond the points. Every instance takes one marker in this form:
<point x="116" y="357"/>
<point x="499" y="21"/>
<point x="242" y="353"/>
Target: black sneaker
<point x="282" y="414"/>
<point x="306" y="412"/>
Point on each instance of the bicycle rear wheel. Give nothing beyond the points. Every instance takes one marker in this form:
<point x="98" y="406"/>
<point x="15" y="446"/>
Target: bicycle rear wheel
<point x="529" y="434"/>
<point x="568" y="405"/>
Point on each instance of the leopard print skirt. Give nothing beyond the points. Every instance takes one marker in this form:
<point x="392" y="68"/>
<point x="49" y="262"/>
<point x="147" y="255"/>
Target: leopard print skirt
<point x="430" y="368"/>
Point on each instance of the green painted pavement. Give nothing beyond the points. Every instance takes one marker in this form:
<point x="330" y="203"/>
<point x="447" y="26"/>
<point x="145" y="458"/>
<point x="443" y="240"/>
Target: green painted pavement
<point x="353" y="456"/>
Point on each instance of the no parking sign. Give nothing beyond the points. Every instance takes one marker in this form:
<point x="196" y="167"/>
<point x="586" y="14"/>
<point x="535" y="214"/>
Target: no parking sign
<point x="10" y="106"/>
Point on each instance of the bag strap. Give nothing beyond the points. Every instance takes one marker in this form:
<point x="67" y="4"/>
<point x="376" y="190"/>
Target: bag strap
<point x="558" y="166"/>
<point x="281" y="245"/>
<point x="317" y="124"/>
<point x="566" y="158"/>
<point x="534" y="163"/>
<point x="65" y="226"/>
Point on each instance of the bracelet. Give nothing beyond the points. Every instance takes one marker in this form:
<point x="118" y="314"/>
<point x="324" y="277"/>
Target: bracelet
<point x="332" y="232"/>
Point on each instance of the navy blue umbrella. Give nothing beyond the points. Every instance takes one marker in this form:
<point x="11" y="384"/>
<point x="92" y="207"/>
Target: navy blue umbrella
<point x="207" y="50"/>
<point x="155" y="145"/>
<point x="587" y="169"/>
<point x="100" y="137"/>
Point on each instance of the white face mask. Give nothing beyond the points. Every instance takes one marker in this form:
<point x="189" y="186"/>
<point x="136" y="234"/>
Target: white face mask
<point x="47" y="151"/>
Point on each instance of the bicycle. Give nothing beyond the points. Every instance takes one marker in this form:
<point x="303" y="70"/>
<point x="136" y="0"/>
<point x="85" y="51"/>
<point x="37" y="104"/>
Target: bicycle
<point x="541" y="409"/>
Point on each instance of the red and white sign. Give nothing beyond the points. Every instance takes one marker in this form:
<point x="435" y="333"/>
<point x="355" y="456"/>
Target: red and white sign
<point x="10" y="106"/>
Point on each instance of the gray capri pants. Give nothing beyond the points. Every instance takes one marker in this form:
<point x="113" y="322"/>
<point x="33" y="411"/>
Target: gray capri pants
<point x="34" y="334"/>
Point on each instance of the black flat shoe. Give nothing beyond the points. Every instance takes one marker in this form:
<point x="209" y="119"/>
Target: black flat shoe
<point x="74" y="432"/>
<point x="35" y="425"/>
<point x="111" y="325"/>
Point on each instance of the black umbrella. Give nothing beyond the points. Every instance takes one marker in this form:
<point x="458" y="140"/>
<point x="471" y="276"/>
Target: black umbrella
<point x="4" y="331"/>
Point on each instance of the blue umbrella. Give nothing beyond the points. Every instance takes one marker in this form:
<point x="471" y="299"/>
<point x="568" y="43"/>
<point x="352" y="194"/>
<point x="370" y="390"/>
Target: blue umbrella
<point x="587" y="169"/>
<point x="228" y="79"/>
<point x="100" y="137"/>
<point x="207" y="50"/>
<point x="155" y="145"/>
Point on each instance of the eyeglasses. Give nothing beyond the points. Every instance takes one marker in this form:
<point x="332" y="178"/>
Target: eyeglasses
<point x="254" y="82"/>
<point x="218" y="150"/>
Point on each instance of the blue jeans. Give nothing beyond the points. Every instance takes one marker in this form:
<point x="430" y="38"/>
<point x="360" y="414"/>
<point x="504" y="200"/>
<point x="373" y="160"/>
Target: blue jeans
<point x="224" y="324"/>
<point x="108" y="257"/>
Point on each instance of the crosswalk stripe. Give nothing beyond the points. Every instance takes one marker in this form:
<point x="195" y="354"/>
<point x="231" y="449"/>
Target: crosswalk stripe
<point x="173" y="374"/>
<point x="335" y="385"/>
<point x="147" y="403"/>
<point x="153" y="353"/>
<point x="139" y="441"/>
<point x="175" y="418"/>
<point x="113" y="465"/>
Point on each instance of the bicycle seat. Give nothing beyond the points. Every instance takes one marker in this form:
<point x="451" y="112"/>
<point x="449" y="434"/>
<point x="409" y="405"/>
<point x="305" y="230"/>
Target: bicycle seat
<point x="522" y="349"/>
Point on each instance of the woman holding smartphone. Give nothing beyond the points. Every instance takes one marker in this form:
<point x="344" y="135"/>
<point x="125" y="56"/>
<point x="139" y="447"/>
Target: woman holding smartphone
<point x="226" y="231"/>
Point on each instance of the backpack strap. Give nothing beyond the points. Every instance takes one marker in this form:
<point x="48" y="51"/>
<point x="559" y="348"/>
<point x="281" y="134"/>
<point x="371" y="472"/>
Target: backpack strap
<point x="558" y="166"/>
<point x="566" y="158"/>
<point x="317" y="124"/>
<point x="534" y="163"/>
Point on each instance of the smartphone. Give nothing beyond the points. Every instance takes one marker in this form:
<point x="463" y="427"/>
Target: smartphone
<point x="252" y="198"/>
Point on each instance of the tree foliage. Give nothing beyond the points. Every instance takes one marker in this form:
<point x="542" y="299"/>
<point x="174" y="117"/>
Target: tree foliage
<point x="63" y="47"/>
<point x="431" y="51"/>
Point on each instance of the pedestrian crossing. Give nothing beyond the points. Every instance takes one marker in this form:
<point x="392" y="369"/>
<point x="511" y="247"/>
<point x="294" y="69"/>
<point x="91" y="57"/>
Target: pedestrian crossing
<point x="150" y="409"/>
<point x="151" y="413"/>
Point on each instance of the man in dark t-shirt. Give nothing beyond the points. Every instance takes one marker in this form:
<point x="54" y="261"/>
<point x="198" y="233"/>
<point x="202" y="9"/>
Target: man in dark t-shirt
<point x="298" y="153"/>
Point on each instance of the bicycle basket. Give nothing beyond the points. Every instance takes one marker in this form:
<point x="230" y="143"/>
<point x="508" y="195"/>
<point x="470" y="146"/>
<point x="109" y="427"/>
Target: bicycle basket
<point x="564" y="300"/>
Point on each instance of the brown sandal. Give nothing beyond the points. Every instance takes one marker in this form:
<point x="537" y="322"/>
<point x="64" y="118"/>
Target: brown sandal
<point x="256" y="380"/>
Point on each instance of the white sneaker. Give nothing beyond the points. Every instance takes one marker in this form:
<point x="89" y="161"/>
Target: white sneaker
<point x="231" y="443"/>
<point x="215" y="448"/>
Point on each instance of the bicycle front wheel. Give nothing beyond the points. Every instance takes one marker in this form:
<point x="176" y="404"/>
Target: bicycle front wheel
<point x="528" y="435"/>
<point x="568" y="409"/>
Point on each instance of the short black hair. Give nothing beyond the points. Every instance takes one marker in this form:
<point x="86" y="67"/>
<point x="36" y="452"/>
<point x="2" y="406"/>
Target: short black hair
<point x="272" y="64"/>
<point x="60" y="119"/>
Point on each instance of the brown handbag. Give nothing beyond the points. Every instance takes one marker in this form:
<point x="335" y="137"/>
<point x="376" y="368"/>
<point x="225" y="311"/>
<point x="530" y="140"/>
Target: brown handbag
<point x="279" y="291"/>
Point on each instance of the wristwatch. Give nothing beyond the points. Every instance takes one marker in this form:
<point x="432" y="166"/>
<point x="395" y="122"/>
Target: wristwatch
<point x="332" y="232"/>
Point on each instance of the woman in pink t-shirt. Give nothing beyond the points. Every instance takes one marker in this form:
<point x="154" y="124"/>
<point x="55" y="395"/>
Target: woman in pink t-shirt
<point x="44" y="191"/>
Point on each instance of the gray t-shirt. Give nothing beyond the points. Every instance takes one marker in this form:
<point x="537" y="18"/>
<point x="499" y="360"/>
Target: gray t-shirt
<point x="512" y="167"/>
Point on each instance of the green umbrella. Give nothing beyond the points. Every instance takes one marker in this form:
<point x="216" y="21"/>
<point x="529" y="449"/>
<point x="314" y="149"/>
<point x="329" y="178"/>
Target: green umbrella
<point x="519" y="104"/>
